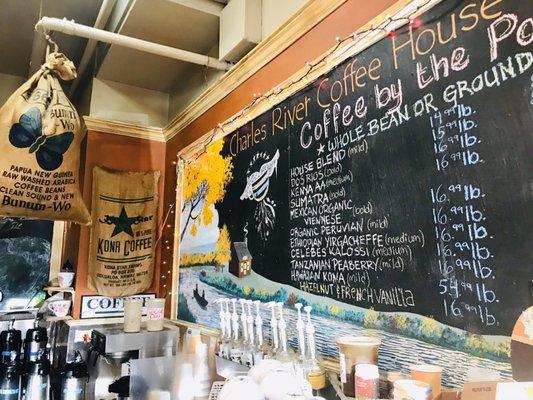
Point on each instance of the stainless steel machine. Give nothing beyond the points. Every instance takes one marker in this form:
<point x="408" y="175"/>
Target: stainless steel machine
<point x="108" y="350"/>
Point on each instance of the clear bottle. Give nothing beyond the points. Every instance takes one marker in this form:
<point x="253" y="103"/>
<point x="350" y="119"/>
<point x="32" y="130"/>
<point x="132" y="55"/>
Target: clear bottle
<point x="261" y="345"/>
<point x="237" y="345"/>
<point x="316" y="376"/>
<point x="247" y="357"/>
<point x="314" y="372"/>
<point x="229" y="334"/>
<point x="272" y="350"/>
<point x="285" y="355"/>
<point x="225" y="336"/>
<point x="250" y="347"/>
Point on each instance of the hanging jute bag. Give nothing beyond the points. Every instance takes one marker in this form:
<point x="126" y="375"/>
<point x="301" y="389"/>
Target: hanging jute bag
<point x="123" y="234"/>
<point x="40" y="136"/>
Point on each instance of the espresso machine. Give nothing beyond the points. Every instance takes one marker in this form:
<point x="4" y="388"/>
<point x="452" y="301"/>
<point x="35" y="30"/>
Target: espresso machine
<point x="111" y="351"/>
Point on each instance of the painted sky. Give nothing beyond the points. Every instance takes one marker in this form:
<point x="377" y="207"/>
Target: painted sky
<point x="206" y="236"/>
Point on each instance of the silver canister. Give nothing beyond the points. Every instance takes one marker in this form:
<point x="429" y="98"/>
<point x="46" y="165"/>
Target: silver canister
<point x="37" y="381"/>
<point x="74" y="380"/>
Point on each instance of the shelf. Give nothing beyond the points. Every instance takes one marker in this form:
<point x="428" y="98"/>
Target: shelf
<point x="56" y="319"/>
<point x="58" y="289"/>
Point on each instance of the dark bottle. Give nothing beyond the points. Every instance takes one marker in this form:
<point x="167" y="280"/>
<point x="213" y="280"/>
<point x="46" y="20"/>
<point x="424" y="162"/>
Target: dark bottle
<point x="10" y="381"/>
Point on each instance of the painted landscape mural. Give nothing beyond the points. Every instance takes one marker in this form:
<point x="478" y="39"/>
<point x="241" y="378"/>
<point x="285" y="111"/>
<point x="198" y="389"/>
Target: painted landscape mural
<point x="388" y="195"/>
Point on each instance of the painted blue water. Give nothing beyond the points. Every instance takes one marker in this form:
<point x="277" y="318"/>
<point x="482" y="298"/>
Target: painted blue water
<point x="396" y="352"/>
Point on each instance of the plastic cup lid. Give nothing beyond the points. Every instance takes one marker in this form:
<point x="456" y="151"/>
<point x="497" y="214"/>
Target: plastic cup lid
<point x="368" y="371"/>
<point x="359" y="341"/>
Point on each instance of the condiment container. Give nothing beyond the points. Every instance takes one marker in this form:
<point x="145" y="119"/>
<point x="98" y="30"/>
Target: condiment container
<point x="366" y="381"/>
<point x="355" y="350"/>
<point x="259" y="371"/>
<point x="192" y="338"/>
<point x="392" y="376"/>
<point x="241" y="387"/>
<point x="408" y="389"/>
<point x="317" y="378"/>
<point x="276" y="385"/>
<point x="431" y="374"/>
<point x="10" y="381"/>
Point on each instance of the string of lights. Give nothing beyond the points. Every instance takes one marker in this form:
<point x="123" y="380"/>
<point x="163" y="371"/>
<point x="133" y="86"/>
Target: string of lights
<point x="387" y="27"/>
<point x="342" y="46"/>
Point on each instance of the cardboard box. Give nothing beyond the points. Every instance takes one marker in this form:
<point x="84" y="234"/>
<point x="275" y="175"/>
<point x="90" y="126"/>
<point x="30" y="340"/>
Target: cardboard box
<point x="450" y="395"/>
<point x="498" y="391"/>
<point x="479" y="390"/>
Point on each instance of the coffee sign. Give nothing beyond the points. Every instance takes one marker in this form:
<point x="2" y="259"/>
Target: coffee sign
<point x="108" y="307"/>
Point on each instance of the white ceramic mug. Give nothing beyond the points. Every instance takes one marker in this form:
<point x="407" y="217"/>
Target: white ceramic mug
<point x="59" y="308"/>
<point x="155" y="312"/>
<point x="65" y="279"/>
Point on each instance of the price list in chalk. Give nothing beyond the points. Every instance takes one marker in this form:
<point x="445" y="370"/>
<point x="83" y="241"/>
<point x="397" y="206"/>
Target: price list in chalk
<point x="342" y="246"/>
<point x="463" y="240"/>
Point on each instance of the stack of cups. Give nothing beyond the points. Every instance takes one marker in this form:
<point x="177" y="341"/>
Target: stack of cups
<point x="202" y="377"/>
<point x="408" y="389"/>
<point x="366" y="382"/>
<point x="430" y="374"/>
<point x="355" y="350"/>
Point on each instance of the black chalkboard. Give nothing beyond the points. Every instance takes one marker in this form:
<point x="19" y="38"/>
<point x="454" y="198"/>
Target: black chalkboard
<point x="401" y="179"/>
<point x="25" y="250"/>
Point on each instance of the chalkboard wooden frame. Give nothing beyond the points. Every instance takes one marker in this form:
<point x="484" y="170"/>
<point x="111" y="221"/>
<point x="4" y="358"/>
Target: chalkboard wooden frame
<point x="396" y="179"/>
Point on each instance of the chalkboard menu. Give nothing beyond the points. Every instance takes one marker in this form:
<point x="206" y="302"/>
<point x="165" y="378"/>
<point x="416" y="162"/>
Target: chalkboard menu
<point x="401" y="181"/>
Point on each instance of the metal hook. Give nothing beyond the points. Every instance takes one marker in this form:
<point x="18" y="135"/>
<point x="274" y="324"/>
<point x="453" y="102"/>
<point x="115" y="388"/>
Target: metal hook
<point x="51" y="42"/>
<point x="42" y="30"/>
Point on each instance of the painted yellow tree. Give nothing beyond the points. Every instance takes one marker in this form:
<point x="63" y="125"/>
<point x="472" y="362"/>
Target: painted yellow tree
<point x="223" y="249"/>
<point x="204" y="184"/>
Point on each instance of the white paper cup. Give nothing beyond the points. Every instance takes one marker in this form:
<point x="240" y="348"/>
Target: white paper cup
<point x="132" y="315"/>
<point x="155" y="309"/>
<point x="430" y="374"/>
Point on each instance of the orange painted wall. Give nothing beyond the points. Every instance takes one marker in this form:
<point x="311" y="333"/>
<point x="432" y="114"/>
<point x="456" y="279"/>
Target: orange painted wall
<point x="343" y="21"/>
<point x="130" y="154"/>
<point x="120" y="153"/>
